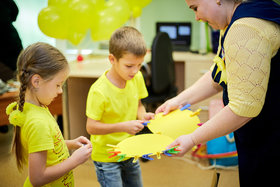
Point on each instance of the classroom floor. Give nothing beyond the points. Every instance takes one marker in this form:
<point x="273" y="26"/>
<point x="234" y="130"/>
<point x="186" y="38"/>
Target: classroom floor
<point x="164" y="172"/>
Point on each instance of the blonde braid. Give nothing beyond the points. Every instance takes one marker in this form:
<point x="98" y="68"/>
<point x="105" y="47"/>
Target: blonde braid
<point x="23" y="87"/>
<point x="17" y="146"/>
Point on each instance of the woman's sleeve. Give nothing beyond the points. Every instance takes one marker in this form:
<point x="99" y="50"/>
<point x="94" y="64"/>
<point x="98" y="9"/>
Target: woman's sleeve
<point x="248" y="49"/>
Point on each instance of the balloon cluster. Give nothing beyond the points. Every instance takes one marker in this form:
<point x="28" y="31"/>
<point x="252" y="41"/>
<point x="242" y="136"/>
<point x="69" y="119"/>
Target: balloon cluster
<point x="71" y="19"/>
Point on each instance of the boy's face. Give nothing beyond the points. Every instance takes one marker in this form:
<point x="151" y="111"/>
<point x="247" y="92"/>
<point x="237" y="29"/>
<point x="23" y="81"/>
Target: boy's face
<point x="127" y="66"/>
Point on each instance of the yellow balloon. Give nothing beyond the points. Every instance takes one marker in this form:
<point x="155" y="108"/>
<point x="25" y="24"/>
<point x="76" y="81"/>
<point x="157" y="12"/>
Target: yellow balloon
<point x="53" y="22"/>
<point x="138" y="3"/>
<point x="105" y="26"/>
<point x="136" y="11"/>
<point x="144" y="3"/>
<point x="119" y="8"/>
<point x="131" y="3"/>
<point x="136" y="6"/>
<point x="115" y="14"/>
<point x="80" y="15"/>
<point x="75" y="37"/>
<point x="58" y="3"/>
<point x="98" y="4"/>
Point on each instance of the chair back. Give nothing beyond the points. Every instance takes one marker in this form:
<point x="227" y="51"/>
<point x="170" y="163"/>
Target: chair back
<point x="162" y="64"/>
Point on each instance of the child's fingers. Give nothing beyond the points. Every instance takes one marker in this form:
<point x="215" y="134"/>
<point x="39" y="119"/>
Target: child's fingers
<point x="88" y="146"/>
<point x="84" y="140"/>
<point x="80" y="144"/>
<point x="87" y="141"/>
<point x="141" y="127"/>
<point x="151" y="116"/>
<point x="87" y="149"/>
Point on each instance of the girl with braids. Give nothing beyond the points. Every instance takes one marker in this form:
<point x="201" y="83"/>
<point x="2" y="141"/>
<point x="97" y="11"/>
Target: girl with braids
<point x="38" y="142"/>
<point x="246" y="68"/>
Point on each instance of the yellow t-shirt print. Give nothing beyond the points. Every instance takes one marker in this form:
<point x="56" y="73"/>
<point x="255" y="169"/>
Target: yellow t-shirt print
<point x="40" y="132"/>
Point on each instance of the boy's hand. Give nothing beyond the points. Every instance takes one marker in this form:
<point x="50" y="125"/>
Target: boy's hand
<point x="132" y="127"/>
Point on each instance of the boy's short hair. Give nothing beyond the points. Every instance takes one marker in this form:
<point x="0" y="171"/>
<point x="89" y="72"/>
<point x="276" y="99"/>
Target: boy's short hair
<point x="127" y="40"/>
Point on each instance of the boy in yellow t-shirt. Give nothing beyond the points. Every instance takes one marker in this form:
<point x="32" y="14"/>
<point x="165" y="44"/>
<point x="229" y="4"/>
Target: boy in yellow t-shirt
<point x="114" y="108"/>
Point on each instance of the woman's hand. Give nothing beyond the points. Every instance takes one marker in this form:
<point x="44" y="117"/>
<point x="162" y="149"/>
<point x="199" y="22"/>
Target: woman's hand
<point x="168" y="106"/>
<point x="184" y="143"/>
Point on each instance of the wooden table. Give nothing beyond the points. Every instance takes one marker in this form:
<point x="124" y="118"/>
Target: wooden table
<point x="55" y="107"/>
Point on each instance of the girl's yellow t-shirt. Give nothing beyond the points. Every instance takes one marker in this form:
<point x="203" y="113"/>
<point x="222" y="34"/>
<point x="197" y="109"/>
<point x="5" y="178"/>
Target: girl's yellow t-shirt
<point x="110" y="104"/>
<point x="40" y="132"/>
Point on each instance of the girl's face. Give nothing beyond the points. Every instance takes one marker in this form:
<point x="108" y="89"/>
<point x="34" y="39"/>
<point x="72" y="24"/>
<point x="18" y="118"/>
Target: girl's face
<point x="47" y="90"/>
<point x="210" y="11"/>
<point x="127" y="66"/>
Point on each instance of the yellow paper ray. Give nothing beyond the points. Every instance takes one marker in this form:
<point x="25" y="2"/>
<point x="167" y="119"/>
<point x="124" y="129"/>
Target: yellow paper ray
<point x="143" y="144"/>
<point x="175" y="124"/>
